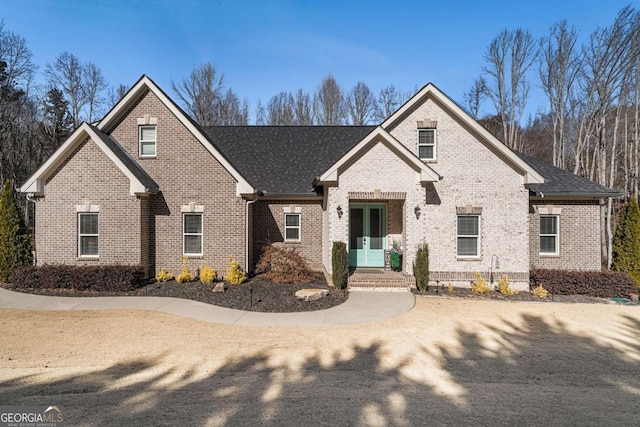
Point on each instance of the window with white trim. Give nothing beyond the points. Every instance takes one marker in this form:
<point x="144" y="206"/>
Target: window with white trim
<point x="468" y="236"/>
<point x="147" y="140"/>
<point x="192" y="234"/>
<point x="549" y="235"/>
<point x="88" y="235"/>
<point x="292" y="227"/>
<point x="427" y="144"/>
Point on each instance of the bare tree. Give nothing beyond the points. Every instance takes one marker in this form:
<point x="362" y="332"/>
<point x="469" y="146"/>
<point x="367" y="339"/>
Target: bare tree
<point x="261" y="115"/>
<point x="473" y="99"/>
<point x="231" y="111"/>
<point x="303" y="108"/>
<point x="201" y="94"/>
<point x="509" y="57"/>
<point x="389" y="100"/>
<point x="66" y="73"/>
<point x="329" y="101"/>
<point x="94" y="85"/>
<point x="361" y="104"/>
<point x="116" y="94"/>
<point x="559" y="68"/>
<point x="281" y="110"/>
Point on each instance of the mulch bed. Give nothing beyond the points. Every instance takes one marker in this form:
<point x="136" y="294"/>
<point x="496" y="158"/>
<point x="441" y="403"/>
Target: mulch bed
<point x="467" y="293"/>
<point x="257" y="294"/>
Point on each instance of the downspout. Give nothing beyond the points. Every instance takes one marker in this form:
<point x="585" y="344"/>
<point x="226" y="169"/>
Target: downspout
<point x="26" y="221"/>
<point x="256" y="194"/>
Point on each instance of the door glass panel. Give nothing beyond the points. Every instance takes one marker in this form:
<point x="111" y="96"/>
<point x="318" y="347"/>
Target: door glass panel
<point x="356" y="224"/>
<point x="375" y="228"/>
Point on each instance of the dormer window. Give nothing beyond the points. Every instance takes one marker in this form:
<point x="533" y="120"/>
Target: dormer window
<point x="427" y="144"/>
<point x="147" y="141"/>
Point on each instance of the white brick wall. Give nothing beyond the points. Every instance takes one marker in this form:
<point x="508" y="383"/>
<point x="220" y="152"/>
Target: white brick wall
<point x="472" y="175"/>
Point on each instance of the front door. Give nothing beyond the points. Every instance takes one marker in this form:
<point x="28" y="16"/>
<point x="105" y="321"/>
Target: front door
<point x="367" y="235"/>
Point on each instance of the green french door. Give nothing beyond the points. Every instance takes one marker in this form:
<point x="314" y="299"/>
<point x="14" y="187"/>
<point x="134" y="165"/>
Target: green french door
<point x="367" y="235"/>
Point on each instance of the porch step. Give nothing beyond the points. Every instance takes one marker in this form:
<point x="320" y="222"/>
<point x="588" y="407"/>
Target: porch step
<point x="378" y="280"/>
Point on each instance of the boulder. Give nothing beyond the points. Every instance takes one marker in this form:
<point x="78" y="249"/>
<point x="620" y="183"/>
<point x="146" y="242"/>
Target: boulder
<point x="219" y="287"/>
<point x="311" y="294"/>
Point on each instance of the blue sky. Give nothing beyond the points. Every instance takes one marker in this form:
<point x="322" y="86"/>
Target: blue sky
<point x="264" y="47"/>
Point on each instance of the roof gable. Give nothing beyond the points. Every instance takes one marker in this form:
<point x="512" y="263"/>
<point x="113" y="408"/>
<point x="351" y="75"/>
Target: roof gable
<point x="140" y="181"/>
<point x="146" y="84"/>
<point x="378" y="134"/>
<point x="530" y="175"/>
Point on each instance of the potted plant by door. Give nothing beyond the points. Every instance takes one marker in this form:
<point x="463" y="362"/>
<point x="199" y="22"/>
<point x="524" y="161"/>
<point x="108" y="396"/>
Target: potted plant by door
<point x="395" y="256"/>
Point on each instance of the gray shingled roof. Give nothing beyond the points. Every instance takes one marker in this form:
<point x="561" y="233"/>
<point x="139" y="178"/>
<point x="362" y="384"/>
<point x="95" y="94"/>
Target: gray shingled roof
<point x="127" y="160"/>
<point x="284" y="159"/>
<point x="562" y="183"/>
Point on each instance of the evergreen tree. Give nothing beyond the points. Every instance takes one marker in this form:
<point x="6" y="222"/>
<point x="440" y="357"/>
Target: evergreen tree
<point x="15" y="246"/>
<point x="626" y="242"/>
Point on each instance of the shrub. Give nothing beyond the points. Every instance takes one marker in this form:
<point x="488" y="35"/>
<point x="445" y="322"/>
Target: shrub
<point x="339" y="265"/>
<point x="450" y="289"/>
<point x="504" y="288"/>
<point x="185" y="274"/>
<point x="421" y="268"/>
<point x="235" y="275"/>
<point x="599" y="284"/>
<point x="626" y="241"/>
<point x="479" y="285"/>
<point x="540" y="292"/>
<point x="164" y="275"/>
<point x="207" y="274"/>
<point x="15" y="246"/>
<point x="107" y="278"/>
<point x="283" y="265"/>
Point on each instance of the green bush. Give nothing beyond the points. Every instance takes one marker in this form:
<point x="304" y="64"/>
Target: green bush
<point x="339" y="264"/>
<point x="626" y="241"/>
<point x="421" y="268"/>
<point x="15" y="246"/>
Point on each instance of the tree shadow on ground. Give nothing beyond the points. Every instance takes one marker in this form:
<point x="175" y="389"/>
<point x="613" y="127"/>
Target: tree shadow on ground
<point x="534" y="372"/>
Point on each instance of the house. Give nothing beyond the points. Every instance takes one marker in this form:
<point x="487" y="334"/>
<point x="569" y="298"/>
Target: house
<point x="146" y="185"/>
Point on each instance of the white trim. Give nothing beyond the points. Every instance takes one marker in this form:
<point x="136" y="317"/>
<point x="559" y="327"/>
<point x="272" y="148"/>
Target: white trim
<point x="433" y="130"/>
<point x="87" y="207"/>
<point x="380" y="135"/>
<point x="141" y="141"/>
<point x="201" y="234"/>
<point x="144" y="84"/>
<point x="298" y="227"/>
<point x="467" y="236"/>
<point x="80" y="236"/>
<point x="529" y="174"/>
<point x="35" y="183"/>
<point x="556" y="235"/>
<point x="191" y="208"/>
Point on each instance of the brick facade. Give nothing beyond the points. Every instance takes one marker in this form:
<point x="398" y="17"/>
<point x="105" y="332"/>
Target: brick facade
<point x="473" y="176"/>
<point x="88" y="177"/>
<point x="579" y="227"/>
<point x="268" y="227"/>
<point x="147" y="229"/>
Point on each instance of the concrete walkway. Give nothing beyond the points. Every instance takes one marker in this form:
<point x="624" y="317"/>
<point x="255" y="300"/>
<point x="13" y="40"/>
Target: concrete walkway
<point x="360" y="307"/>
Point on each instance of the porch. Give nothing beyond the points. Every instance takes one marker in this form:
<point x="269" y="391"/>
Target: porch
<point x="377" y="278"/>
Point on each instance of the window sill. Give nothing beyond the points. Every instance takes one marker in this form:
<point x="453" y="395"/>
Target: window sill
<point x="468" y="259"/>
<point x="193" y="256"/>
<point x="549" y="255"/>
<point x="293" y="242"/>
<point x="146" y="157"/>
<point x="88" y="258"/>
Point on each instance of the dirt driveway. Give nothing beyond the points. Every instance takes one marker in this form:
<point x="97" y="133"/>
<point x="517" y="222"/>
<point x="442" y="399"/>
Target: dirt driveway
<point x="446" y="362"/>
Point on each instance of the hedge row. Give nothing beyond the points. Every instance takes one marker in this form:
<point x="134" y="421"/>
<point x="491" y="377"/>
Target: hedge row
<point x="108" y="278"/>
<point x="605" y="284"/>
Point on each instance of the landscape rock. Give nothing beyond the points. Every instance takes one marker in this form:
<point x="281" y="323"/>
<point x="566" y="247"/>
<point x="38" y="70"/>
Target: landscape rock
<point x="219" y="287"/>
<point x="311" y="294"/>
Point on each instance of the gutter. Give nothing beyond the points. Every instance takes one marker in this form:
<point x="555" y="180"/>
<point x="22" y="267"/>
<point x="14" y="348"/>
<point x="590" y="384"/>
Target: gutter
<point x="577" y="195"/>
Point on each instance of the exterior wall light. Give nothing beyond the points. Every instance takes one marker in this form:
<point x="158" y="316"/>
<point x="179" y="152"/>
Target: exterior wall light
<point x="417" y="211"/>
<point x="339" y="210"/>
